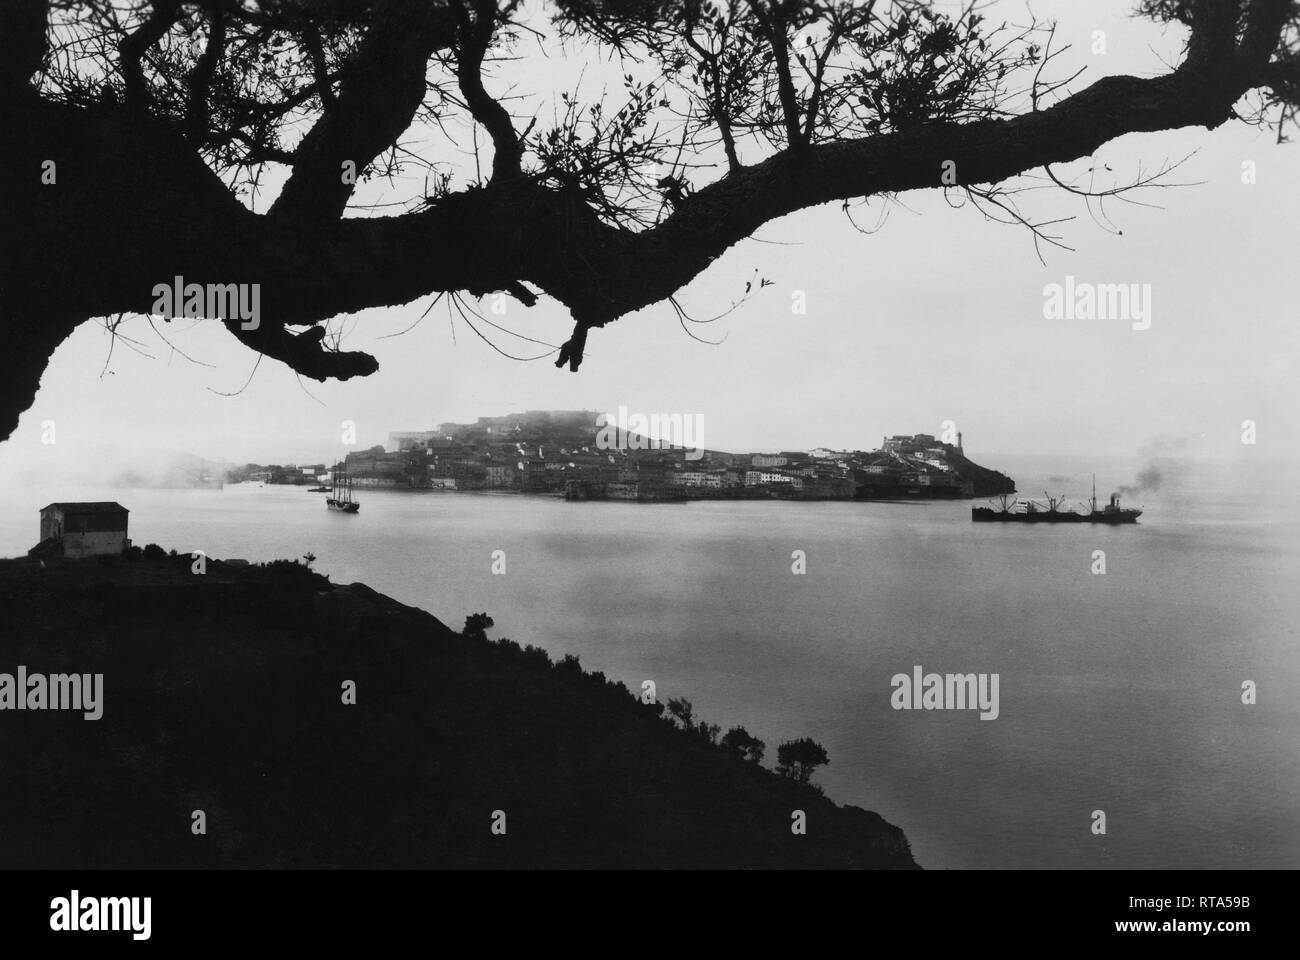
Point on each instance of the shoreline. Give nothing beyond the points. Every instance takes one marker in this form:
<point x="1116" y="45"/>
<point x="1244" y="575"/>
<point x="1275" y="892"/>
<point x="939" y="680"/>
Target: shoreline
<point x="552" y="495"/>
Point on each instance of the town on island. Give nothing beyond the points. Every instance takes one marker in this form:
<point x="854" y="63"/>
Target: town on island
<point x="584" y="455"/>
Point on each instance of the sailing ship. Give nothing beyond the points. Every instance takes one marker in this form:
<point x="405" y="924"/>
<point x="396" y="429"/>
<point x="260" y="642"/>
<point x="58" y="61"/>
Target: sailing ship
<point x="1054" y="512"/>
<point x="340" y="498"/>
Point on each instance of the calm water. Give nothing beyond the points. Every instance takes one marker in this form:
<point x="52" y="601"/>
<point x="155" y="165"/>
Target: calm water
<point x="1118" y="692"/>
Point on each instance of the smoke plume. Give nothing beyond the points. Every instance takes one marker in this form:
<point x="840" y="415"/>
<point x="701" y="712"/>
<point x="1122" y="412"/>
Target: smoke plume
<point x="1165" y="464"/>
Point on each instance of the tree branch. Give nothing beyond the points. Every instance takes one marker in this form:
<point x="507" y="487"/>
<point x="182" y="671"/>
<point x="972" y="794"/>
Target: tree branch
<point x="134" y="46"/>
<point x="23" y="42"/>
<point x="771" y="18"/>
<point x="305" y="352"/>
<point x="136" y="206"/>
<point x="197" y="112"/>
<point x="475" y="37"/>
<point x="377" y="99"/>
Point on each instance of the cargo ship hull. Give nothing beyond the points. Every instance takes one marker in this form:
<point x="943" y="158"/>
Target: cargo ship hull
<point x="989" y="515"/>
<point x="1111" y="514"/>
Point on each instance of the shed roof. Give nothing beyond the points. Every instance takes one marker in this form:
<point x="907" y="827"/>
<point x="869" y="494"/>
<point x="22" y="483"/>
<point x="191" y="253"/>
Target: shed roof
<point x="89" y="506"/>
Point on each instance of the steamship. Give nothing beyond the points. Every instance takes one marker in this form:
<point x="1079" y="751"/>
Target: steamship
<point x="1029" y="511"/>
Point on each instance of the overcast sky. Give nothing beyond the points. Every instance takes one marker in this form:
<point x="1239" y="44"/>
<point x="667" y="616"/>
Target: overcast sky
<point x="937" y="316"/>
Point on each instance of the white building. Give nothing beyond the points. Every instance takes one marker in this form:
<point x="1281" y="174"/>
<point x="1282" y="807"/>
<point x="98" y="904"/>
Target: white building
<point x="696" y="478"/>
<point x="754" y="477"/>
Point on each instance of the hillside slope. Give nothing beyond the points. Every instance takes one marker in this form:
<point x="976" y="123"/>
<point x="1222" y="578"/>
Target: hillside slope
<point x="222" y="693"/>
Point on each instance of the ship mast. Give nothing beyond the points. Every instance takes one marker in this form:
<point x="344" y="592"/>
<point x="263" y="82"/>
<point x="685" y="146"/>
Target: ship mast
<point x="1094" y="493"/>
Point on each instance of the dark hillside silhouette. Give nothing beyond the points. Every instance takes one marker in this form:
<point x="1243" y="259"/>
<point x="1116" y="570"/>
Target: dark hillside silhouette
<point x="223" y="693"/>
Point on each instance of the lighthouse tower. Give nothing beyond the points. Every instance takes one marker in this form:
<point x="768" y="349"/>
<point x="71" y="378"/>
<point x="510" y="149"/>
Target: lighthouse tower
<point x="959" y="449"/>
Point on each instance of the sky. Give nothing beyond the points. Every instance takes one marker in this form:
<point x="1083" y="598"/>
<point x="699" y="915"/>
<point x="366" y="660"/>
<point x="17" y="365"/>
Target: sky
<point x="937" y="316"/>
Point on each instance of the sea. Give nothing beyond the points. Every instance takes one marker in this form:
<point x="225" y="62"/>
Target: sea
<point x="1123" y="737"/>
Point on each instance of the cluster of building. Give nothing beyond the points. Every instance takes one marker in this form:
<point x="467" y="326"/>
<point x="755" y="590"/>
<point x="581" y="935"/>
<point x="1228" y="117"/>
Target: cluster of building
<point x="562" y="453"/>
<point x="290" y="473"/>
<point x="919" y="466"/>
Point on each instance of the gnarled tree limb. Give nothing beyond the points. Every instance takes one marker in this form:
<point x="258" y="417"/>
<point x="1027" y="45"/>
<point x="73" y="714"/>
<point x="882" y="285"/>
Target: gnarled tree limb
<point x="136" y="206"/>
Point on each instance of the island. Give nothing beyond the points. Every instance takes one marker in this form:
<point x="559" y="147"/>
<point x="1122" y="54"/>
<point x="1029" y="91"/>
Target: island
<point x="579" y="455"/>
